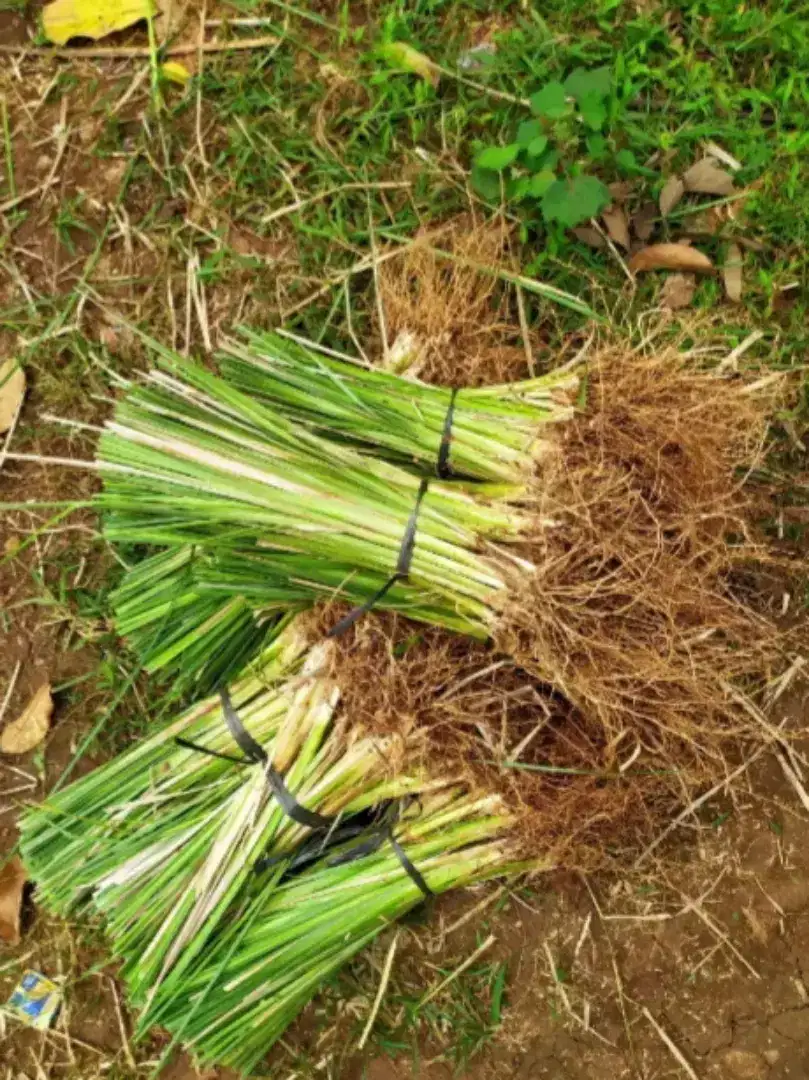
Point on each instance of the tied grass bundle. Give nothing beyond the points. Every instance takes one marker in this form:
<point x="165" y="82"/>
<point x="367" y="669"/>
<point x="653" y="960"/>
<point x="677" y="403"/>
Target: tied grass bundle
<point x="497" y="432"/>
<point x="269" y="962"/>
<point x="192" y="461"/>
<point x="164" y="863"/>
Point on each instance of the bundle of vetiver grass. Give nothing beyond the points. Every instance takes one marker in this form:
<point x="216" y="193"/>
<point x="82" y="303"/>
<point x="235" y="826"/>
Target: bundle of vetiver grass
<point x="257" y="507"/>
<point x="167" y="838"/>
<point x="265" y="965"/>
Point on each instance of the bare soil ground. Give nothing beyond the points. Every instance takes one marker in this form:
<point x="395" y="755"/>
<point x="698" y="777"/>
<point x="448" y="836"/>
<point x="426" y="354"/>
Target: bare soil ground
<point x="695" y="963"/>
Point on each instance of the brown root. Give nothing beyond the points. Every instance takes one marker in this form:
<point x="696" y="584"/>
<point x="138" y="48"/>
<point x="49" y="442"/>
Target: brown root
<point x="640" y="611"/>
<point x="458" y="316"/>
<point x="627" y="666"/>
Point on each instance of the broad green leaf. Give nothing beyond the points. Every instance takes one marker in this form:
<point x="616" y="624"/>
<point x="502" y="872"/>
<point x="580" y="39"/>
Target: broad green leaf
<point x="550" y="101"/>
<point x="593" y="111"/>
<point x="626" y="161"/>
<point x="518" y="188"/>
<point x="596" y="146"/>
<point x="486" y="183"/>
<point x="397" y="54"/>
<point x="528" y="131"/>
<point x="497" y="157"/>
<point x="541" y="182"/>
<point x="574" y="200"/>
<point x="66" y="19"/>
<point x="582" y="82"/>
<point x="538" y="146"/>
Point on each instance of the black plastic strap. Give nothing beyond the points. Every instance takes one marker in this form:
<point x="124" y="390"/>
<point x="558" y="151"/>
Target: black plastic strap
<point x="211" y="753"/>
<point x="401" y="572"/>
<point x="255" y="754"/>
<point x="412" y="870"/>
<point x="373" y="844"/>
<point x="442" y="465"/>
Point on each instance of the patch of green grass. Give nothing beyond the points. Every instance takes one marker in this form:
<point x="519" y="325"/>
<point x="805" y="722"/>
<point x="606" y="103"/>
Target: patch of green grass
<point x="456" y="1025"/>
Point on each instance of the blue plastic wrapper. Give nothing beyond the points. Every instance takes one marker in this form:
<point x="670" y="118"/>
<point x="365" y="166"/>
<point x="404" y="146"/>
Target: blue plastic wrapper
<point x="35" y="1001"/>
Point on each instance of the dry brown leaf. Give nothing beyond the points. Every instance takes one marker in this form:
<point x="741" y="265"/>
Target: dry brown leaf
<point x="707" y="178"/>
<point x="12" y="883"/>
<point x="31" y="726"/>
<point x="590" y="236"/>
<point x="643" y="220"/>
<point x="673" y="190"/>
<point x="671" y="257"/>
<point x="12" y="391"/>
<point x="617" y="226"/>
<point x="620" y="190"/>
<point x="678" y="291"/>
<point x="732" y="273"/>
<point x="705" y="222"/>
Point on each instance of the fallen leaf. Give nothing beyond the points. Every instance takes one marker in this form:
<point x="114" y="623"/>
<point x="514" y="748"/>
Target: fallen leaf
<point x="617" y="226"/>
<point x="732" y="273"/>
<point x="31" y="726"/>
<point x="400" y="55"/>
<point x="678" y="291"/>
<point x="620" y="190"/>
<point x="12" y="391"/>
<point x="12" y="883"/>
<point x="707" y="178"/>
<point x="12" y="545"/>
<point x="671" y="193"/>
<point x="66" y="19"/>
<point x="643" y="220"/>
<point x="590" y="236"/>
<point x="705" y="222"/>
<point x="175" y="72"/>
<point x="670" y="257"/>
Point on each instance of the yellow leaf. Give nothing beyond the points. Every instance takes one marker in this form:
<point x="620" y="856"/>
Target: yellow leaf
<point x="31" y="726"/>
<point x="400" y="55"/>
<point x="66" y="19"/>
<point x="175" y="72"/>
<point x="12" y="882"/>
<point x="12" y="390"/>
<point x="671" y="257"/>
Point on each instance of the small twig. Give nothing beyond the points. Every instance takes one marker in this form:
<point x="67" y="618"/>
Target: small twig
<point x="524" y="330"/>
<point x="9" y="204"/>
<point x="487" y="944"/>
<point x="484" y="903"/>
<point x="675" y="1051"/>
<point x="299" y="204"/>
<point x="136" y="51"/>
<point x="383" y="985"/>
<point x="130" y="1060"/>
<point x="605" y="236"/>
<point x="10" y="690"/>
<point x="793" y="778"/>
